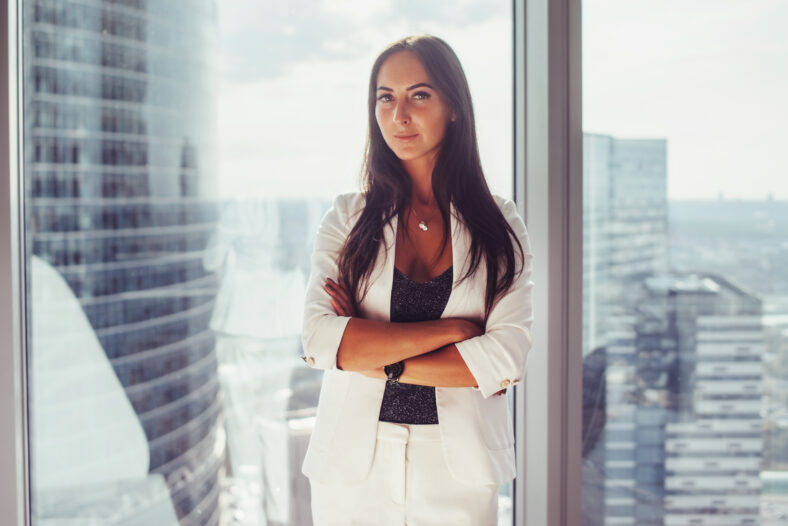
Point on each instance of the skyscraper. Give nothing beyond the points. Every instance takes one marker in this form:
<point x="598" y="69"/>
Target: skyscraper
<point x="689" y="444"/>
<point x="713" y="454"/>
<point x="119" y="174"/>
<point x="624" y="225"/>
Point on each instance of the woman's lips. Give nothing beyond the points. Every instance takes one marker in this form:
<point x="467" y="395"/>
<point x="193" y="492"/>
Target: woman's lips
<point x="406" y="138"/>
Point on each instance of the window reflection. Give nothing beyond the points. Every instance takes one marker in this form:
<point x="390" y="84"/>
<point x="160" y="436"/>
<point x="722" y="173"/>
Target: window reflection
<point x="126" y="412"/>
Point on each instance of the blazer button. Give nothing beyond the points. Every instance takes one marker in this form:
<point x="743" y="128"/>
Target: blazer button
<point x="505" y="383"/>
<point x="308" y="360"/>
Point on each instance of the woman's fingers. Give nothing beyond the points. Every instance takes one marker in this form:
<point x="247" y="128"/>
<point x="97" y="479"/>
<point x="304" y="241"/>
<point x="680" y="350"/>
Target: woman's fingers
<point x="375" y="373"/>
<point x="339" y="289"/>
<point x="341" y="307"/>
<point x="340" y="297"/>
<point x="341" y="310"/>
<point x="338" y="308"/>
<point x="338" y="300"/>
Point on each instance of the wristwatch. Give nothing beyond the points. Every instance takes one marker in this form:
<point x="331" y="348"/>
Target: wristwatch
<point x="394" y="371"/>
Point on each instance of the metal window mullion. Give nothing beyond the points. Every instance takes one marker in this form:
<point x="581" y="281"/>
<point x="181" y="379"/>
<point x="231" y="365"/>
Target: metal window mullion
<point x="551" y="415"/>
<point x="519" y="193"/>
<point x="14" y="455"/>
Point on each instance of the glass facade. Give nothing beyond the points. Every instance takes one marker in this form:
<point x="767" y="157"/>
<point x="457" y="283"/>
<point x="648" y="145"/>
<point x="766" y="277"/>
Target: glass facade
<point x="684" y="333"/>
<point x="175" y="171"/>
<point x="119" y="178"/>
<point x="156" y="398"/>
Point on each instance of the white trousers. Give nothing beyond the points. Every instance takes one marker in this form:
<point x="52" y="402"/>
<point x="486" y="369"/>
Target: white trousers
<point x="408" y="484"/>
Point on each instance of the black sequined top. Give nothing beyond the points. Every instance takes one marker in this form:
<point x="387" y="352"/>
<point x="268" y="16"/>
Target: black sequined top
<point x="414" y="301"/>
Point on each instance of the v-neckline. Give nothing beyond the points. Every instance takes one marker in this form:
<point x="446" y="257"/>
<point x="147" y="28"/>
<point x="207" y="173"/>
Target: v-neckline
<point x="451" y="243"/>
<point x="424" y="282"/>
<point x="460" y="242"/>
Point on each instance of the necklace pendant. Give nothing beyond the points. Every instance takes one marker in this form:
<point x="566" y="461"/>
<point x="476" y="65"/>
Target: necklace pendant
<point x="423" y="226"/>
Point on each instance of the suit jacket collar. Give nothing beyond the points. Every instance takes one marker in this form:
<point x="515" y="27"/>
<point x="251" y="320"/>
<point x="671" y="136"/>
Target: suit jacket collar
<point x="377" y="304"/>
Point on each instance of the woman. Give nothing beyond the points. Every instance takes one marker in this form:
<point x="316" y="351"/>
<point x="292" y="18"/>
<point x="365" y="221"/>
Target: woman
<point x="418" y="308"/>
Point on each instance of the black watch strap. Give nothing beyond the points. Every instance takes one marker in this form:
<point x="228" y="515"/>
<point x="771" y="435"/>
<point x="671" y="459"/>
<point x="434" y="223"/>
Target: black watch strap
<point x="394" y="371"/>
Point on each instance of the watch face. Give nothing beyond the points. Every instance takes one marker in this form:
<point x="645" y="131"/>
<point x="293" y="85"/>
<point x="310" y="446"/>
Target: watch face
<point x="397" y="369"/>
<point x="394" y="370"/>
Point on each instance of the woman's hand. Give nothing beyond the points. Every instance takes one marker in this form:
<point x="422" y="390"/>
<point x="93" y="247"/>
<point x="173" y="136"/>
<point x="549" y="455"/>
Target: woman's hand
<point x="340" y="298"/>
<point x="374" y="373"/>
<point x="340" y="301"/>
<point x="467" y="329"/>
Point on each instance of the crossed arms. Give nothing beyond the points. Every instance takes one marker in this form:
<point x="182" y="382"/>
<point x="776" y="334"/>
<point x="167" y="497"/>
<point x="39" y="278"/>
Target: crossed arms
<point x="449" y="352"/>
<point x="426" y="347"/>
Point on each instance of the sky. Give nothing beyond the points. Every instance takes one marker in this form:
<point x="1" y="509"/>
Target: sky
<point x="708" y="76"/>
<point x="293" y="87"/>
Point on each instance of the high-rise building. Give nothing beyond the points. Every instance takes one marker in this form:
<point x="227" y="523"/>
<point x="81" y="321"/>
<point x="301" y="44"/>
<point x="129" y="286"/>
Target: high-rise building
<point x="714" y="453"/>
<point x="683" y="443"/>
<point x="624" y="240"/>
<point x="624" y="225"/>
<point x="119" y="175"/>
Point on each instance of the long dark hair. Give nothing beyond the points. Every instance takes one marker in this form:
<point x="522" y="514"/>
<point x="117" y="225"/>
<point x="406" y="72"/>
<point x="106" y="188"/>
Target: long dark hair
<point x="457" y="177"/>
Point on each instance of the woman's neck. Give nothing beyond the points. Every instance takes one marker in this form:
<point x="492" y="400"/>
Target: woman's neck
<point x="420" y="171"/>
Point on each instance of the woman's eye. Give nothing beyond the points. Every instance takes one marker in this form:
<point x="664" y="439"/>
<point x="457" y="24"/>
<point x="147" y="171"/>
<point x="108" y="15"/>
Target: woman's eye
<point x="421" y="95"/>
<point x="384" y="98"/>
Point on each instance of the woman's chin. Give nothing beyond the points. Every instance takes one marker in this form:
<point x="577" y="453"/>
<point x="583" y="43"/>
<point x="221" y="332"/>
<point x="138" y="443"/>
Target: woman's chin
<point x="409" y="155"/>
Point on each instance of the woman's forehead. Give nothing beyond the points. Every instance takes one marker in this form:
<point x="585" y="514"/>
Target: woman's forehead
<point x="402" y="70"/>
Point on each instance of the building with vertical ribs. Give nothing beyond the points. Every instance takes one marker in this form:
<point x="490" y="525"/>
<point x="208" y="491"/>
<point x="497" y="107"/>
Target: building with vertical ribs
<point x="119" y="175"/>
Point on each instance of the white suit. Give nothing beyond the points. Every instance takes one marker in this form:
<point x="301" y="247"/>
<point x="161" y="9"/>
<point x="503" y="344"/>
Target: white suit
<point x="476" y="428"/>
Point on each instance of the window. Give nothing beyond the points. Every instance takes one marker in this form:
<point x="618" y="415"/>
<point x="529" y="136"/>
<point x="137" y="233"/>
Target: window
<point x="177" y="159"/>
<point x="685" y="293"/>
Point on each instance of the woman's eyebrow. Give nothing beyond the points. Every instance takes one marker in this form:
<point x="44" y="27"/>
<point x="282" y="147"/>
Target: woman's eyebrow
<point x="419" y="85"/>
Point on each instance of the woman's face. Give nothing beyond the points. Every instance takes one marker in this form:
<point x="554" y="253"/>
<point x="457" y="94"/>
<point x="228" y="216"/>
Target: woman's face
<point x="411" y="115"/>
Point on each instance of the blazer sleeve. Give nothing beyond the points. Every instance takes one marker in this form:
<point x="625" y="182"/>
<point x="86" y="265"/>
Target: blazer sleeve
<point x="497" y="358"/>
<point x="322" y="328"/>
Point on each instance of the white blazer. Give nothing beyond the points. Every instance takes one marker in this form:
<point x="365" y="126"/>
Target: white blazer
<point x="476" y="427"/>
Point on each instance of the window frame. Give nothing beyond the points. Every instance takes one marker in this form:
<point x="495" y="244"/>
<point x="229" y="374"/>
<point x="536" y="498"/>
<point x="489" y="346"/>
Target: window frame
<point x="548" y="168"/>
<point x="14" y="454"/>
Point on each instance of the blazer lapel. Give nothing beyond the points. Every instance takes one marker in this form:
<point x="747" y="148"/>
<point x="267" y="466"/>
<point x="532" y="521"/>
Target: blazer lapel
<point x="377" y="303"/>
<point x="460" y="244"/>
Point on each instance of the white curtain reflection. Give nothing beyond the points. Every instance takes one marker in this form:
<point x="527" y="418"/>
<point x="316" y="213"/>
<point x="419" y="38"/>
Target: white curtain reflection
<point x="257" y="321"/>
<point x="90" y="455"/>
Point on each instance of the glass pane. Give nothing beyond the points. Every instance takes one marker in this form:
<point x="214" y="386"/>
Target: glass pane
<point x="178" y="159"/>
<point x="685" y="325"/>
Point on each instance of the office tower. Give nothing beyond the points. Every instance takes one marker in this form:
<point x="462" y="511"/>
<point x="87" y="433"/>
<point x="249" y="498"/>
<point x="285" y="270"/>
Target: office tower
<point x="624" y="239"/>
<point x="119" y="169"/>
<point x="624" y="225"/>
<point x="714" y="453"/>
<point x="685" y="444"/>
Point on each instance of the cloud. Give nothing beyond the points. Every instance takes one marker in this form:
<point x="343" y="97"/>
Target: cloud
<point x="301" y="132"/>
<point x="264" y="39"/>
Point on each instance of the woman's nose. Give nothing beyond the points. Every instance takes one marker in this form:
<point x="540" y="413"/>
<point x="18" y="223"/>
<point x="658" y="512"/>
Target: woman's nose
<point x="401" y="114"/>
